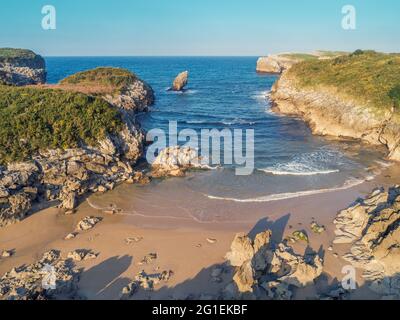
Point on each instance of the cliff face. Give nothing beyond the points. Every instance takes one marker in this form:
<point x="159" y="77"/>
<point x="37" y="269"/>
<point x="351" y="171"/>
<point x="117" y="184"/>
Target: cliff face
<point x="329" y="113"/>
<point x="21" y="67"/>
<point x="274" y="64"/>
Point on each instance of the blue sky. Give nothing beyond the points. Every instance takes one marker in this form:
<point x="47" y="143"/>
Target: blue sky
<point x="198" y="27"/>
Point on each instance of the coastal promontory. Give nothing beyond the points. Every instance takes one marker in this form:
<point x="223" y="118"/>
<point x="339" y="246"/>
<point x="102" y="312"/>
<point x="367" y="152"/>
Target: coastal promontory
<point x="326" y="95"/>
<point x="58" y="142"/>
<point x="21" y="67"/>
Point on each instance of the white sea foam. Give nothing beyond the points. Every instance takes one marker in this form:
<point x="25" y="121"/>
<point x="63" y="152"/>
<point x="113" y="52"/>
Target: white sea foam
<point x="290" y="195"/>
<point x="261" y="95"/>
<point x="294" y="173"/>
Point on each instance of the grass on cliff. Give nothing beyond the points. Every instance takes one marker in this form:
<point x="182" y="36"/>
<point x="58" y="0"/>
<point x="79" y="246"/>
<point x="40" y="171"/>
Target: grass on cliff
<point x="369" y="77"/>
<point x="10" y="54"/>
<point x="33" y="119"/>
<point x="103" y="80"/>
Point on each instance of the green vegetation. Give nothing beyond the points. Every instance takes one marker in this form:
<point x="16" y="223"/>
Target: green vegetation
<point x="32" y="119"/>
<point x="99" y="80"/>
<point x="7" y="54"/>
<point x="369" y="77"/>
<point x="300" y="56"/>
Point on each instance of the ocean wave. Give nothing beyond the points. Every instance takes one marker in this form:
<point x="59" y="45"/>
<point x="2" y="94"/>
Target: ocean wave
<point x="293" y="173"/>
<point x="225" y="122"/>
<point x="352" y="182"/>
<point x="319" y="162"/>
<point x="185" y="91"/>
<point x="261" y="95"/>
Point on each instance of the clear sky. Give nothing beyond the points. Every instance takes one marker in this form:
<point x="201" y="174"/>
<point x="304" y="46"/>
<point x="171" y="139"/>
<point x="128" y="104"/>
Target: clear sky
<point x="198" y="27"/>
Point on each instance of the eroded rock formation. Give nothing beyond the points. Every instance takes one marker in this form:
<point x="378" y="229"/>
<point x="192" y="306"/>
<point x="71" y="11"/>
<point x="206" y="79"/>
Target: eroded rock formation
<point x="175" y="161"/>
<point x="372" y="226"/>
<point x="274" y="64"/>
<point x="269" y="270"/>
<point x="65" y="175"/>
<point x="50" y="278"/>
<point x="180" y="81"/>
<point x="329" y="114"/>
<point x="21" y="67"/>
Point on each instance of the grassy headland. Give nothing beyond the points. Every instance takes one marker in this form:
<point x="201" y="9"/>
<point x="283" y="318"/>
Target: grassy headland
<point x="369" y="77"/>
<point x="104" y="80"/>
<point x="10" y="54"/>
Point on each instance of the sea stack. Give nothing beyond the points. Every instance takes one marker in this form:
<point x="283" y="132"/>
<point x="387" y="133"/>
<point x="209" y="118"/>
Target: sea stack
<point x="180" y="81"/>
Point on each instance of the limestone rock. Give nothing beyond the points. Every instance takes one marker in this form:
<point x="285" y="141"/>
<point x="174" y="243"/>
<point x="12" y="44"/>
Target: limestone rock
<point x="49" y="278"/>
<point x="21" y="67"/>
<point x="175" y="161"/>
<point x="87" y="223"/>
<point x="372" y="226"/>
<point x="275" y="64"/>
<point x="180" y="81"/>
<point x="258" y="262"/>
<point x="81" y="254"/>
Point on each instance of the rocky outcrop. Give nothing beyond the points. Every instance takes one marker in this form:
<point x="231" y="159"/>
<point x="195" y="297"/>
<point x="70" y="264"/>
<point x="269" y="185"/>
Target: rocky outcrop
<point x="180" y="81"/>
<point x="331" y="114"/>
<point x="50" y="278"/>
<point x="21" y="67"/>
<point x="274" y="64"/>
<point x="372" y="226"/>
<point x="175" y="161"/>
<point x="65" y="175"/>
<point x="269" y="270"/>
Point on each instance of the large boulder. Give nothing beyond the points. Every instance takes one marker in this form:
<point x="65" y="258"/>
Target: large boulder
<point x="21" y="67"/>
<point x="262" y="266"/>
<point x="180" y="81"/>
<point x="175" y="161"/>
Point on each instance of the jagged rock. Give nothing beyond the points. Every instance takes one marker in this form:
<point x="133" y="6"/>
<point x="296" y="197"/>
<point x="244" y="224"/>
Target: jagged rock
<point x="129" y="290"/>
<point x="298" y="236"/>
<point x="7" y="254"/>
<point x="81" y="254"/>
<point x="69" y="201"/>
<point x="70" y="236"/>
<point x="21" y="67"/>
<point x="131" y="240"/>
<point x="372" y="226"/>
<point x="148" y="281"/>
<point x="316" y="228"/>
<point x="49" y="278"/>
<point x="180" y="81"/>
<point x="258" y="260"/>
<point x="174" y="161"/>
<point x="16" y="209"/>
<point x="149" y="258"/>
<point x="87" y="223"/>
<point x="277" y="290"/>
<point x="275" y="64"/>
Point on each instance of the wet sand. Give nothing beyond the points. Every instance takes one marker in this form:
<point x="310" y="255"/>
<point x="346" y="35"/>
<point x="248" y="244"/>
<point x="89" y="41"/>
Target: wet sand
<point x="179" y="241"/>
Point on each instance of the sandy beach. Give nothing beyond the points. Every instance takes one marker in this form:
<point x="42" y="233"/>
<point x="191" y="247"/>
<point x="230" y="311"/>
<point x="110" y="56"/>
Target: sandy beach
<point x="187" y="247"/>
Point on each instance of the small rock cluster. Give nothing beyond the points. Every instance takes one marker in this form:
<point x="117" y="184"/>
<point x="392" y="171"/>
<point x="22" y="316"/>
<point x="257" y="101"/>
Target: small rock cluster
<point x="372" y="226"/>
<point x="269" y="271"/>
<point x="145" y="281"/>
<point x="27" y="282"/>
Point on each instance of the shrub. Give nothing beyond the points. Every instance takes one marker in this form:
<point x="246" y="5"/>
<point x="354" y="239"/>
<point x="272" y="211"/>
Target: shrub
<point x="32" y="119"/>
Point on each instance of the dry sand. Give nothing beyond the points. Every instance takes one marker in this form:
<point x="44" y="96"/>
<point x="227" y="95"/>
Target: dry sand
<point x="181" y="245"/>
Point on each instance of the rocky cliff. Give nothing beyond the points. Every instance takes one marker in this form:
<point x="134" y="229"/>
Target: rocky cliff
<point x="274" y="64"/>
<point x="21" y="67"/>
<point x="336" y="104"/>
<point x="63" y="174"/>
